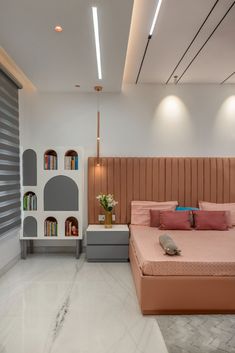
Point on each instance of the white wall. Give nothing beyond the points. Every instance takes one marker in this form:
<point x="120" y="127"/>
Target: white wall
<point x="143" y="120"/>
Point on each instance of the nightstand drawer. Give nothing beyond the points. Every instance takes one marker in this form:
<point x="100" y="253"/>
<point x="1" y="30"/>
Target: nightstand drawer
<point x="107" y="237"/>
<point x="107" y="253"/>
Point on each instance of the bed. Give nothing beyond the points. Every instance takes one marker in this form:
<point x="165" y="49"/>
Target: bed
<point x="160" y="179"/>
<point x="201" y="280"/>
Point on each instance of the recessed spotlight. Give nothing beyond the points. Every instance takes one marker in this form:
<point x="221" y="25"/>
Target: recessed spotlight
<point x="77" y="86"/>
<point x="58" y="29"/>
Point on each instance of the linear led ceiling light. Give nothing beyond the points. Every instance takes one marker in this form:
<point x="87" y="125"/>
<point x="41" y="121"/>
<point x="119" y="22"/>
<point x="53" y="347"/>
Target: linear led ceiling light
<point x="155" y="17"/>
<point x="97" y="40"/>
<point x="149" y="36"/>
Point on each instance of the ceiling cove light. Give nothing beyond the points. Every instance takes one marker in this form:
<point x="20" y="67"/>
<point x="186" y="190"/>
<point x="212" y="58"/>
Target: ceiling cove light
<point x="149" y="37"/>
<point x="97" y="40"/>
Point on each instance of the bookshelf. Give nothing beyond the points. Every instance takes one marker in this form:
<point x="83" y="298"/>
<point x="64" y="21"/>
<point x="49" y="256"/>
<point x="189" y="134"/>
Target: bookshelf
<point x="53" y="208"/>
<point x="50" y="160"/>
<point x="71" y="160"/>
<point x="30" y="201"/>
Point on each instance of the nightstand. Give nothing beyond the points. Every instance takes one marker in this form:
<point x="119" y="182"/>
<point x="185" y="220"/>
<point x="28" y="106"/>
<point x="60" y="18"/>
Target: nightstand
<point x="107" y="244"/>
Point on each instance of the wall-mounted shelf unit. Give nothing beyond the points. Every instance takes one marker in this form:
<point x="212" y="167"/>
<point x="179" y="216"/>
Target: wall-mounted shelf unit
<point x="52" y="195"/>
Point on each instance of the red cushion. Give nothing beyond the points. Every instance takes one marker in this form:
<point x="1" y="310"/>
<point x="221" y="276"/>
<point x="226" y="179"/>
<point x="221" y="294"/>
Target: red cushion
<point x="154" y="218"/>
<point x="210" y="220"/>
<point x="175" y="220"/>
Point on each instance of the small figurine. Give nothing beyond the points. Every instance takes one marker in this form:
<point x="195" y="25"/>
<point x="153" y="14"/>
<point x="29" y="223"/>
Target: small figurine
<point x="74" y="230"/>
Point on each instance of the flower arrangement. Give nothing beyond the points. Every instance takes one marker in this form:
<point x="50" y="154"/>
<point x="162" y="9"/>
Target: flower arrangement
<point x="107" y="201"/>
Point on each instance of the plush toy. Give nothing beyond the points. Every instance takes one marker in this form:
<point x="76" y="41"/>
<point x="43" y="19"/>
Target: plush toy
<point x="168" y="245"/>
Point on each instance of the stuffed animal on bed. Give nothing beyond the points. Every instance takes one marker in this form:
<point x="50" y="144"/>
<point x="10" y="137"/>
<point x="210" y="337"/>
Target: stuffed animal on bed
<point x="168" y="245"/>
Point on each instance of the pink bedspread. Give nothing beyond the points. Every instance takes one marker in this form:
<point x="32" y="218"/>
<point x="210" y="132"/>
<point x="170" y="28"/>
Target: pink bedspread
<point x="204" y="253"/>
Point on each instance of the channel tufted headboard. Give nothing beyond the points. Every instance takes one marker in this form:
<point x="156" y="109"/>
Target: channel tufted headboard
<point x="187" y="180"/>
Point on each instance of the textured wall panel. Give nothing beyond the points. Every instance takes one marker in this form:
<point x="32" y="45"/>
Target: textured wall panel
<point x="187" y="180"/>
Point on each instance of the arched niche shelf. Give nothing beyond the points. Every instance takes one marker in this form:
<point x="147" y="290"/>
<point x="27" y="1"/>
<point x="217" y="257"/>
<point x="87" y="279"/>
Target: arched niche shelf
<point x="50" y="160"/>
<point x="71" y="160"/>
<point x="71" y="227"/>
<point x="29" y="168"/>
<point x="30" y="201"/>
<point x="61" y="194"/>
<point x="50" y="227"/>
<point x="30" y="227"/>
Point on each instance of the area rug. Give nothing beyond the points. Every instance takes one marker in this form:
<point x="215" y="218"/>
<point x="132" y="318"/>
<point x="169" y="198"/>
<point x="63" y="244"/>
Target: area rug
<point x="198" y="333"/>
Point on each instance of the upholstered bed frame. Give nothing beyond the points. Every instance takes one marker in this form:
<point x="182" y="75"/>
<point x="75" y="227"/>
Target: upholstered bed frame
<point x="187" y="180"/>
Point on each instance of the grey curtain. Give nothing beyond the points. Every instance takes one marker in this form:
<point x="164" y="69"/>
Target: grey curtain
<point x="10" y="214"/>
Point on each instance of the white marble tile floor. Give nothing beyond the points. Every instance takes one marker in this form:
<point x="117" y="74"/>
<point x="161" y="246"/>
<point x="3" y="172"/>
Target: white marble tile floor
<point x="57" y="304"/>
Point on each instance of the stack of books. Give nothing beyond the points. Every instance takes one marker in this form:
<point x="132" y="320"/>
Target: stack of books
<point x="30" y="202"/>
<point x="71" y="229"/>
<point x="50" y="162"/>
<point x="71" y="162"/>
<point x="50" y="228"/>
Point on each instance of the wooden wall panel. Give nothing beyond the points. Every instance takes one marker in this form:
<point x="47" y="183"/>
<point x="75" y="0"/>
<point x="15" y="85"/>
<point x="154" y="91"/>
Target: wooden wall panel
<point x="123" y="168"/>
<point x="149" y="179"/>
<point x="187" y="180"/>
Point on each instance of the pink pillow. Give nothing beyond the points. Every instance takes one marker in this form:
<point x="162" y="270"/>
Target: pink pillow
<point x="140" y="210"/>
<point x="175" y="220"/>
<point x="210" y="220"/>
<point x="154" y="218"/>
<point x="229" y="207"/>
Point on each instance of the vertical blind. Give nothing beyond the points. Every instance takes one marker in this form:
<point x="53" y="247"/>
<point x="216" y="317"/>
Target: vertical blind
<point x="10" y="214"/>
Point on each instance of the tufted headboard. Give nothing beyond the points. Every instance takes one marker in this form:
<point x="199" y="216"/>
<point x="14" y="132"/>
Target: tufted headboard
<point x="187" y="180"/>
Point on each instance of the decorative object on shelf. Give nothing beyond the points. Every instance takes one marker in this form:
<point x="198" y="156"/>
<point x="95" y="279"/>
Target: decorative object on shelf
<point x="71" y="227"/>
<point x="108" y="203"/>
<point x="50" y="160"/>
<point x="98" y="89"/>
<point x="71" y="160"/>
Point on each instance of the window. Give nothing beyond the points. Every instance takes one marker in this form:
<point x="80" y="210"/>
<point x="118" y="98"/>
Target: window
<point x="10" y="214"/>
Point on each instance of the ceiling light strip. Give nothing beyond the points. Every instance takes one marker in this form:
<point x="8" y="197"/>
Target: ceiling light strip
<point x="199" y="30"/>
<point x="195" y="56"/>
<point x="149" y="37"/>
<point x="155" y="17"/>
<point x="97" y="40"/>
<point x="227" y="78"/>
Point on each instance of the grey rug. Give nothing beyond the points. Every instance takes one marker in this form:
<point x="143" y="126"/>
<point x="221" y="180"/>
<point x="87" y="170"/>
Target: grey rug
<point x="198" y="333"/>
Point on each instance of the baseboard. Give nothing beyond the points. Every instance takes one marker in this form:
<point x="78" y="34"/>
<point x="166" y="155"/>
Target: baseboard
<point x="9" y="265"/>
<point x="54" y="249"/>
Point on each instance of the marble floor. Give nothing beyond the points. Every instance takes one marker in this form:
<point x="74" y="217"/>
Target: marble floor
<point x="57" y="304"/>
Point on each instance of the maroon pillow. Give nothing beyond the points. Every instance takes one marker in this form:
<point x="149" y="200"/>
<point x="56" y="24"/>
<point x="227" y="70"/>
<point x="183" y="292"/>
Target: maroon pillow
<point x="154" y="218"/>
<point x="175" y="220"/>
<point x="210" y="220"/>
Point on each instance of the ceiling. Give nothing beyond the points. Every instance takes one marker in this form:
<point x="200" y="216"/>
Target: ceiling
<point x="58" y="61"/>
<point x="177" y="25"/>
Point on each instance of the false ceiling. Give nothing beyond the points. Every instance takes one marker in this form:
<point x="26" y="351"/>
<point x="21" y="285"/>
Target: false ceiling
<point x="192" y="39"/>
<point x="58" y="61"/>
<point x="209" y="59"/>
